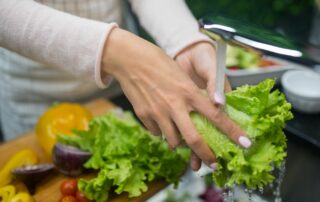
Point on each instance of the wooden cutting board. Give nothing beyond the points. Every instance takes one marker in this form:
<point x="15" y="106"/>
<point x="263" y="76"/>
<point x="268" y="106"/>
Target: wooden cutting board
<point x="48" y="189"/>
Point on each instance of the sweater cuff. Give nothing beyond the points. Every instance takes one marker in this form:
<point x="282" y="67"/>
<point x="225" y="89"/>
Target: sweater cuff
<point x="103" y="81"/>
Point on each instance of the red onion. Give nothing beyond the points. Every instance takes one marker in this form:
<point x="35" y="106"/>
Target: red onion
<point x="69" y="160"/>
<point x="31" y="175"/>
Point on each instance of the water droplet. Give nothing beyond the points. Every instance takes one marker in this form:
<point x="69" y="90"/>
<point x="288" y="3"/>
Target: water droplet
<point x="231" y="195"/>
<point x="250" y="195"/>
<point x="224" y="196"/>
<point x="277" y="190"/>
<point x="261" y="190"/>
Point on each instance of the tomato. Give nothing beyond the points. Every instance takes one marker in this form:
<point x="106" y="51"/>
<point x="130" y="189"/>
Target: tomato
<point x="234" y="67"/>
<point x="68" y="198"/>
<point x="267" y="63"/>
<point x="81" y="197"/>
<point x="69" y="187"/>
<point x="60" y="119"/>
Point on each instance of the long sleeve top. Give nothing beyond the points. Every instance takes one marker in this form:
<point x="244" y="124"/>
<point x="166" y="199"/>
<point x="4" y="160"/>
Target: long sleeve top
<point x="50" y="50"/>
<point x="75" y="44"/>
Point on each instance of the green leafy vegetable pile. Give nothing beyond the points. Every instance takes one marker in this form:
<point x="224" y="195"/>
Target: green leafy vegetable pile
<point x="262" y="114"/>
<point x="126" y="155"/>
<point x="241" y="58"/>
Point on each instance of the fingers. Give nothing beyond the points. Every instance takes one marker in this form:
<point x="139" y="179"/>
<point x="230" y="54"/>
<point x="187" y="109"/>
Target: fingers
<point x="170" y="132"/>
<point x="185" y="63"/>
<point x="216" y="97"/>
<point x="151" y="126"/>
<point x="192" y="138"/>
<point x="195" y="162"/>
<point x="221" y="121"/>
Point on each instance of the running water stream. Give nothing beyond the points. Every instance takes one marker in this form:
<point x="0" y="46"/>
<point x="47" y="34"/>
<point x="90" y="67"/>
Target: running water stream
<point x="230" y="196"/>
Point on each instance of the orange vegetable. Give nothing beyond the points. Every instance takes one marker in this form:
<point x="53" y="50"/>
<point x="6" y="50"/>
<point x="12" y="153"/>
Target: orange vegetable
<point x="60" y="119"/>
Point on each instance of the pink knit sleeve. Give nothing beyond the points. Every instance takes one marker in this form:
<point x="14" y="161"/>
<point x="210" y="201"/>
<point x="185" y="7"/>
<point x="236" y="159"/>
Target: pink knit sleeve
<point x="170" y="23"/>
<point x="56" y="38"/>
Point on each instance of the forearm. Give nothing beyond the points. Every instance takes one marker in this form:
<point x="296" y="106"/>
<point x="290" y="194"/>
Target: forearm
<point x="170" y="23"/>
<point x="53" y="37"/>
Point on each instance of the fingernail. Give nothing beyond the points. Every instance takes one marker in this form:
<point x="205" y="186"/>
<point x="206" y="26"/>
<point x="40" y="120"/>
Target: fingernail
<point x="213" y="166"/>
<point x="244" y="141"/>
<point x="219" y="98"/>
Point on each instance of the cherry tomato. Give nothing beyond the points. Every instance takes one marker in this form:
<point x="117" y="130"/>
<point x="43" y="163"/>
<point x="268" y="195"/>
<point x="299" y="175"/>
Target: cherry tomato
<point x="267" y="63"/>
<point x="235" y="67"/>
<point x="81" y="197"/>
<point x="68" y="198"/>
<point x="69" y="187"/>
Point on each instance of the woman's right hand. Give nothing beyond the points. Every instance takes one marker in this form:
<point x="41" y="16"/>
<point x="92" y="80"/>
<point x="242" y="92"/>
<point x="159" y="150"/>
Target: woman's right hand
<point x="162" y="94"/>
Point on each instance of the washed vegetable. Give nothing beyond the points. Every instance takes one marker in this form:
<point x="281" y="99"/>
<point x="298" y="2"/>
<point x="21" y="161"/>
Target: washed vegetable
<point x="126" y="157"/>
<point x="69" y="187"/>
<point x="31" y="175"/>
<point x="24" y="157"/>
<point x="262" y="114"/>
<point x="60" y="119"/>
<point x="69" y="160"/>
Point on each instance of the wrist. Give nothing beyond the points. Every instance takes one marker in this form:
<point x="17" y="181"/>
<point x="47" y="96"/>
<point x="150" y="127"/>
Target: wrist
<point x="124" y="51"/>
<point x="202" y="45"/>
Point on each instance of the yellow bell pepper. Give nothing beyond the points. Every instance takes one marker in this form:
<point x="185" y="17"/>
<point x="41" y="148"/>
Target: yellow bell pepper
<point x="22" y="158"/>
<point x="22" y="197"/>
<point x="61" y="119"/>
<point x="7" y="193"/>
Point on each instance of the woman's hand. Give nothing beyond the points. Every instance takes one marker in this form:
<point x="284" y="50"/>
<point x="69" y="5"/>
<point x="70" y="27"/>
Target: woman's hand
<point x="162" y="95"/>
<point x="199" y="62"/>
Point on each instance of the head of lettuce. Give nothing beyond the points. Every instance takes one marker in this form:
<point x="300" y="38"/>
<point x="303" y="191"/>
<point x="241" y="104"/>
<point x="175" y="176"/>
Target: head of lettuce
<point x="262" y="114"/>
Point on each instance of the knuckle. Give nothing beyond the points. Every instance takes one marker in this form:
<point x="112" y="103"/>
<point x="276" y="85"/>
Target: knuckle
<point x="194" y="141"/>
<point x="155" y="112"/>
<point x="141" y="113"/>
<point x="216" y="116"/>
<point x="175" y="105"/>
<point x="173" y="145"/>
<point x="233" y="131"/>
<point x="188" y="90"/>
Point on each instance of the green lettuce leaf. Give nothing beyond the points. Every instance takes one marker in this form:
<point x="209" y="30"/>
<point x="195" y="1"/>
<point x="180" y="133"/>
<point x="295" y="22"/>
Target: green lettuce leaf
<point x="126" y="157"/>
<point x="262" y="114"/>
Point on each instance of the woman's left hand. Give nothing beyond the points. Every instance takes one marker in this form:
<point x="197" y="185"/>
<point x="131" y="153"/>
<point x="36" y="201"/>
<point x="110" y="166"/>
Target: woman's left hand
<point x="199" y="62"/>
